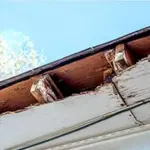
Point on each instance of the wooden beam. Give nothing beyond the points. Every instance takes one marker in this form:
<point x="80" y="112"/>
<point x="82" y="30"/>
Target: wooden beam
<point x="45" y="90"/>
<point x="123" y="58"/>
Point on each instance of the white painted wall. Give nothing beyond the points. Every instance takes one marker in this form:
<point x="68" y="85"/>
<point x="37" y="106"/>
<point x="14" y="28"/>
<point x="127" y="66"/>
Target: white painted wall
<point x="134" y="85"/>
<point x="45" y="119"/>
<point x="40" y="121"/>
<point x="130" y="139"/>
<point x="136" y="141"/>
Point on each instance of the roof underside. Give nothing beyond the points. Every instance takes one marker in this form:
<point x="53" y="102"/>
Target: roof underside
<point x="75" y="73"/>
<point x="81" y="55"/>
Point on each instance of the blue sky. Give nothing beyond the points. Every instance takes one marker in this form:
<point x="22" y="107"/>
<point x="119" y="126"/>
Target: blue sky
<point x="65" y="27"/>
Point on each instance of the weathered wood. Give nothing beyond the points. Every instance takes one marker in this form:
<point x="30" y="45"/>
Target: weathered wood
<point x="72" y="77"/>
<point x="42" y="90"/>
<point x="123" y="57"/>
<point x="111" y="71"/>
<point x="134" y="85"/>
<point x="60" y="95"/>
<point x="110" y="55"/>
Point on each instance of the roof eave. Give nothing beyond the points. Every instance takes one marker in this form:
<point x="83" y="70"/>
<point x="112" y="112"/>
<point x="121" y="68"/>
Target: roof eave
<point x="75" y="57"/>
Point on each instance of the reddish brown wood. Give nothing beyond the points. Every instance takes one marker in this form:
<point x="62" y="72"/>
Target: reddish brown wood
<point x="84" y="74"/>
<point x="59" y="93"/>
<point x="140" y="46"/>
<point x="43" y="90"/>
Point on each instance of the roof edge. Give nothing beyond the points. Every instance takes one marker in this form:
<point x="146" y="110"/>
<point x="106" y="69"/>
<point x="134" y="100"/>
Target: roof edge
<point x="75" y="57"/>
